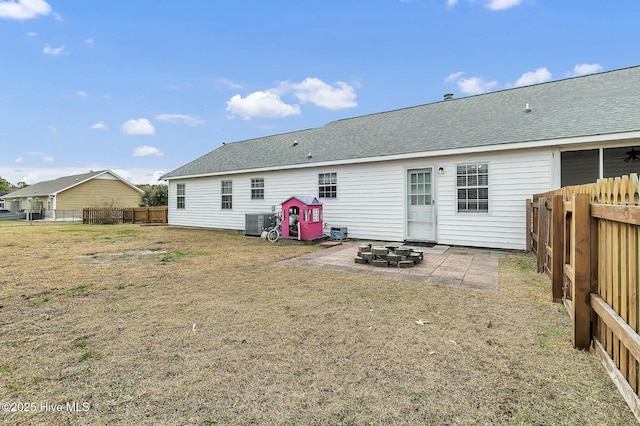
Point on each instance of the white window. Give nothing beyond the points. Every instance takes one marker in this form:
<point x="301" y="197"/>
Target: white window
<point x="181" y="195"/>
<point x="472" y="184"/>
<point x="328" y="185"/>
<point x="227" y="194"/>
<point x="257" y="188"/>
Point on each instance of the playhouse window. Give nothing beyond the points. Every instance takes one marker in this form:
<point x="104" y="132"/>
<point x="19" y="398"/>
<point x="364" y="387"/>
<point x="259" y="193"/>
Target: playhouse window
<point x="227" y="196"/>
<point x="257" y="188"/>
<point x="328" y="185"/>
<point x="472" y="184"/>
<point x="180" y="195"/>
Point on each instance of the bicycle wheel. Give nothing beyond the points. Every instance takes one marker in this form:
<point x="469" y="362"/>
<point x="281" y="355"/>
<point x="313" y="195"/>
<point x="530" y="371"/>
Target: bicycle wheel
<point x="273" y="235"/>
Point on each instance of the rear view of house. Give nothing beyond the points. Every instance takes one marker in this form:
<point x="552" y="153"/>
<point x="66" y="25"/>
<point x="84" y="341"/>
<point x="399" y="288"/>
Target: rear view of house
<point x="454" y="172"/>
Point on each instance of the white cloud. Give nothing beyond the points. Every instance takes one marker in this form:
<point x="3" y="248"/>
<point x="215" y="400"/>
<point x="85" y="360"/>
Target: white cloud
<point x="451" y="3"/>
<point x="187" y="120"/>
<point x="315" y="91"/>
<point x="23" y="9"/>
<point x="99" y="126"/>
<point x="54" y="51"/>
<point x="145" y="151"/>
<point x="31" y="34"/>
<point x="89" y="42"/>
<point x="269" y="103"/>
<point x="42" y="156"/>
<point x="228" y="84"/>
<point x="453" y="77"/>
<point x="540" y="75"/>
<point x="53" y="129"/>
<point x="475" y="85"/>
<point x="142" y="126"/>
<point x="502" y="4"/>
<point x="260" y="104"/>
<point x="584" y="69"/>
<point x="82" y="93"/>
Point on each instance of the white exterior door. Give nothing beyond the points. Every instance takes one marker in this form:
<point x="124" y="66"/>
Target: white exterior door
<point x="420" y="212"/>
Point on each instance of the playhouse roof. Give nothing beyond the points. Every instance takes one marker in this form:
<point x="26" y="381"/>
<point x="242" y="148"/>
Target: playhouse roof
<point x="307" y="200"/>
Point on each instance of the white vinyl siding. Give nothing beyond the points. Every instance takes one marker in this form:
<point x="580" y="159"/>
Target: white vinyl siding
<point x="513" y="177"/>
<point x="372" y="201"/>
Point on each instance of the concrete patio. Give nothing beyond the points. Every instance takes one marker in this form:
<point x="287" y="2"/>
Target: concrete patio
<point x="443" y="265"/>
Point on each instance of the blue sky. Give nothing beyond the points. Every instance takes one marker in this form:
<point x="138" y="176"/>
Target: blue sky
<point x="142" y="87"/>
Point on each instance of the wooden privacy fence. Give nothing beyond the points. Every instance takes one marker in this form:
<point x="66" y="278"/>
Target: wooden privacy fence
<point x="109" y="215"/>
<point x="146" y="215"/>
<point x="586" y="240"/>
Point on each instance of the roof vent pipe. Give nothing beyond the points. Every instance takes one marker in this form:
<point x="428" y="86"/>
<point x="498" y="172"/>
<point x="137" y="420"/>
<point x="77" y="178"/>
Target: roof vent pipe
<point x="448" y="96"/>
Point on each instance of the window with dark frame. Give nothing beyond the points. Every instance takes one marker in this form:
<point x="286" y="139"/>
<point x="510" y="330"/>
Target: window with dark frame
<point x="227" y="194"/>
<point x="328" y="185"/>
<point x="257" y="188"/>
<point x="180" y="195"/>
<point x="472" y="184"/>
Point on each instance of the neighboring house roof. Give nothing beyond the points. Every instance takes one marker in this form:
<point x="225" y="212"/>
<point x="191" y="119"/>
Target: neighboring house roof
<point x="595" y="104"/>
<point x="55" y="186"/>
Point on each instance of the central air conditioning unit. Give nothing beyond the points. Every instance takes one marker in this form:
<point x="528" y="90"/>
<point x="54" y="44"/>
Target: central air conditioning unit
<point x="255" y="223"/>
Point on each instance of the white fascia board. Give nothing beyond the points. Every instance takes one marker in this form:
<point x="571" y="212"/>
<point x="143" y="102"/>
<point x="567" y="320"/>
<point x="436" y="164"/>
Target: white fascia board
<point x="563" y="143"/>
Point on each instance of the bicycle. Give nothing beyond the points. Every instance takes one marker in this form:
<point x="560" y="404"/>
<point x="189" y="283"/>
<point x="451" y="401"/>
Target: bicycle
<point x="274" y="233"/>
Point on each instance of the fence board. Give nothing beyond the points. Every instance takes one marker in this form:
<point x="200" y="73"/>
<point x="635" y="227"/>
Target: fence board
<point x="626" y="391"/>
<point x="624" y="300"/>
<point x="609" y="316"/>
<point x="557" y="238"/>
<point x="615" y="269"/>
<point x="633" y="305"/>
<point x="606" y="265"/>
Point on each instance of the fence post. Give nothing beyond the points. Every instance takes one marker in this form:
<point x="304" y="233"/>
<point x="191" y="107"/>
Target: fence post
<point x="557" y="248"/>
<point x="581" y="261"/>
<point x="528" y="223"/>
<point x="541" y="236"/>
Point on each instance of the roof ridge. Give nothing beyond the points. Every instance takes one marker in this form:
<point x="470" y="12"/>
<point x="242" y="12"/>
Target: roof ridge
<point x="506" y="89"/>
<point x="564" y="108"/>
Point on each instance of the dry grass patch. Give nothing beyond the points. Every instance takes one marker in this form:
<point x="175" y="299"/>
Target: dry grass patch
<point x="157" y="325"/>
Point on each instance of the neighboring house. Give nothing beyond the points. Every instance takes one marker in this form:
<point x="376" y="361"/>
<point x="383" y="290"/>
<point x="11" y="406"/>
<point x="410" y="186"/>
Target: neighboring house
<point x="454" y="172"/>
<point x="94" y="189"/>
<point x="2" y="193"/>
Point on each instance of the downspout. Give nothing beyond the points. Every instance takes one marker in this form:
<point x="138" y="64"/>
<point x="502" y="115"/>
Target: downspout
<point x="601" y="162"/>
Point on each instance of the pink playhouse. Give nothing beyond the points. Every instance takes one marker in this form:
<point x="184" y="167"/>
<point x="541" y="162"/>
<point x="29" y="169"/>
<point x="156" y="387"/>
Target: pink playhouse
<point x="302" y="218"/>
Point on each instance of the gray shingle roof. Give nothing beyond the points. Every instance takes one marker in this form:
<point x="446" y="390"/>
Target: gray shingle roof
<point x="54" y="186"/>
<point x="603" y="103"/>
